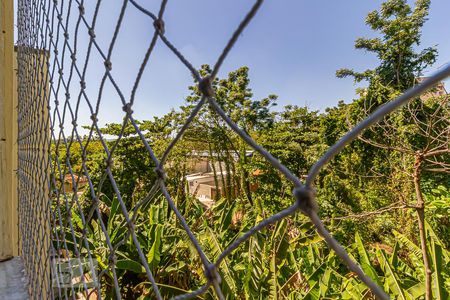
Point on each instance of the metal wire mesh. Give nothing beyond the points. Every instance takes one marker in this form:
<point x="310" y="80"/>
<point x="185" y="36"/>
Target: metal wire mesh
<point x="48" y="116"/>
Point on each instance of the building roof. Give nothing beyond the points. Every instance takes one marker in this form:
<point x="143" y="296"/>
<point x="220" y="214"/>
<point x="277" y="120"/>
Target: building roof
<point x="81" y="179"/>
<point x="200" y="153"/>
<point x="195" y="176"/>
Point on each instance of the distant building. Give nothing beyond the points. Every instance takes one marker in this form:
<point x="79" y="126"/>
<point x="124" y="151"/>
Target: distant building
<point x="69" y="183"/>
<point x="205" y="162"/>
<point x="200" y="182"/>
<point x="204" y="188"/>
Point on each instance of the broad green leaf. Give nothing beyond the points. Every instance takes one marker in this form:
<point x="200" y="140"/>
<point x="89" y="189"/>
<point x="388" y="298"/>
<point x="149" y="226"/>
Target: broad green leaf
<point x="117" y="233"/>
<point x="76" y="218"/>
<point x="112" y="214"/>
<point x="413" y="248"/>
<point x="394" y="256"/>
<point x="310" y="239"/>
<point x="394" y="284"/>
<point x="166" y="290"/>
<point x="440" y="293"/>
<point x="417" y="290"/>
<point x="154" y="255"/>
<point x="325" y="282"/>
<point x="352" y="289"/>
<point x="366" y="265"/>
<point x="225" y="266"/>
<point x="130" y="265"/>
<point x="225" y="218"/>
<point x="273" y="281"/>
<point x="313" y="292"/>
<point x="153" y="215"/>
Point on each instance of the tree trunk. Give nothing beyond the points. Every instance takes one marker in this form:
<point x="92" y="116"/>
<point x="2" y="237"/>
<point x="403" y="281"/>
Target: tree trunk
<point x="420" y="209"/>
<point x="245" y="180"/>
<point x="216" y="181"/>
<point x="228" y="178"/>
<point x="220" y="159"/>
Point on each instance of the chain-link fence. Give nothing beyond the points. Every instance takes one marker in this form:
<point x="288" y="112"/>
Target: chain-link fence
<point x="53" y="83"/>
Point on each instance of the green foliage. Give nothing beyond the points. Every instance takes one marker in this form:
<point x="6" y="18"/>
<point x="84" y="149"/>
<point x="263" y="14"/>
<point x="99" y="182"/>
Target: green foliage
<point x="399" y="27"/>
<point x="365" y="193"/>
<point x="438" y="214"/>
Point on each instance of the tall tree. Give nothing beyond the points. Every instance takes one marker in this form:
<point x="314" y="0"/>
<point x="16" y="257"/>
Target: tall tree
<point x="415" y="139"/>
<point x="400" y="28"/>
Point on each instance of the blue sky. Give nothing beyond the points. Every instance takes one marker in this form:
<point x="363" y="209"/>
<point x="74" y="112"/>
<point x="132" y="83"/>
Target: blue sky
<point x="292" y="48"/>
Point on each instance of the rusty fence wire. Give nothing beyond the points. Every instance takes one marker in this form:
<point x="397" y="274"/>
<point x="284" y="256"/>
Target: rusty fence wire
<point x="53" y="83"/>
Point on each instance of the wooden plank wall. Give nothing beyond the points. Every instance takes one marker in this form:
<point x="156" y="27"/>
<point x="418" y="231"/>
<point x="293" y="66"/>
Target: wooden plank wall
<point x="8" y="134"/>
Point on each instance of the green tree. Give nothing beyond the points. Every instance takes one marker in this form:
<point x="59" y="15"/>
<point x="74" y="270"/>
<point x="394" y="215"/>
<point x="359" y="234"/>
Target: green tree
<point x="400" y="28"/>
<point x="415" y="139"/>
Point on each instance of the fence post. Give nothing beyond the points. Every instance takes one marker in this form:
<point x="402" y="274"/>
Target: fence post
<point x="8" y="135"/>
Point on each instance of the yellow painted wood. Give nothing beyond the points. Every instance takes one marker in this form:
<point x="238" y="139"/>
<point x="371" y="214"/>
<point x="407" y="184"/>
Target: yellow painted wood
<point x="14" y="161"/>
<point x="8" y="204"/>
